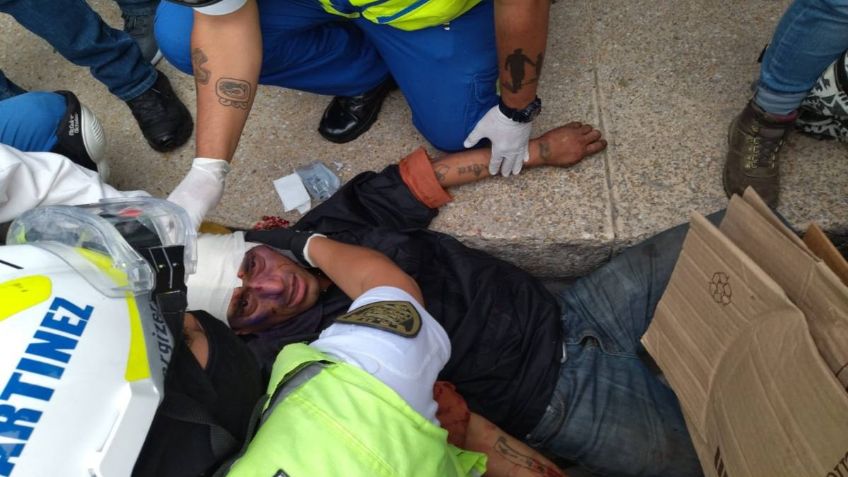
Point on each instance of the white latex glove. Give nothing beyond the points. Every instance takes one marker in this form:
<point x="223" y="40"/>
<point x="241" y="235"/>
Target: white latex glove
<point x="202" y="188"/>
<point x="509" y="141"/>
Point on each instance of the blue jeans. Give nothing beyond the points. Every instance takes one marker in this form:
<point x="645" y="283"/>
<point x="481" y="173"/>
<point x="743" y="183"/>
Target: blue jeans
<point x="79" y="34"/>
<point x="610" y="412"/>
<point x="29" y="121"/>
<point x="810" y="36"/>
<point x="448" y="75"/>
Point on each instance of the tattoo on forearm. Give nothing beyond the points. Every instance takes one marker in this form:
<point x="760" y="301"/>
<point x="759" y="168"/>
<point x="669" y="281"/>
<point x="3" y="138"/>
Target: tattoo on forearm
<point x="540" y="59"/>
<point x="233" y="92"/>
<point x="544" y="151"/>
<point x="476" y="169"/>
<point x="515" y="66"/>
<point x="201" y="74"/>
<point x="441" y="171"/>
<point x="528" y="462"/>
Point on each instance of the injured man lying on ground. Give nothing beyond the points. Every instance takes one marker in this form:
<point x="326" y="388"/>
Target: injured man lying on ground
<point x="560" y="373"/>
<point x="76" y="282"/>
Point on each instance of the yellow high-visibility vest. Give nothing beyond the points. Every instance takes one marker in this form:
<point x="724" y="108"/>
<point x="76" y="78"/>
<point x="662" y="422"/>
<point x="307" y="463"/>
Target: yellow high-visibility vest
<point x="337" y="419"/>
<point x="401" y="14"/>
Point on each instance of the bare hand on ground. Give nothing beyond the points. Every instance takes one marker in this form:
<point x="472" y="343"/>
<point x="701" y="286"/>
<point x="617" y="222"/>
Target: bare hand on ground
<point x="569" y="144"/>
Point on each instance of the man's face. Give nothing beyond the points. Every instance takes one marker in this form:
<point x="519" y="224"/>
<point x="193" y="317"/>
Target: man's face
<point x="274" y="289"/>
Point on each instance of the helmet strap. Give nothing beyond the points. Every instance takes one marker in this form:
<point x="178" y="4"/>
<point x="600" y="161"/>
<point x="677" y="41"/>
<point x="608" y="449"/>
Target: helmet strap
<point x="170" y="292"/>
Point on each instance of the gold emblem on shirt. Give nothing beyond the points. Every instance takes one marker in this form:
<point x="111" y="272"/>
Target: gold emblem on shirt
<point x="398" y="317"/>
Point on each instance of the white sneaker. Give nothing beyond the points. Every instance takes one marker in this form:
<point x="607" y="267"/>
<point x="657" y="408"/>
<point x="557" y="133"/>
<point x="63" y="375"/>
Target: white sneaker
<point x="824" y="112"/>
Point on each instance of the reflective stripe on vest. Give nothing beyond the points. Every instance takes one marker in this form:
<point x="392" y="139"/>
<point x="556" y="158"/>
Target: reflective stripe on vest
<point x="343" y="421"/>
<point x="401" y="14"/>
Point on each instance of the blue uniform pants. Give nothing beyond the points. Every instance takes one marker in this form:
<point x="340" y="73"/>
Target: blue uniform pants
<point x="447" y="73"/>
<point x="29" y="121"/>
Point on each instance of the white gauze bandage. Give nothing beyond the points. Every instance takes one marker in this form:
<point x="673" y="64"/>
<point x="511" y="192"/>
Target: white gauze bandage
<point x="210" y="287"/>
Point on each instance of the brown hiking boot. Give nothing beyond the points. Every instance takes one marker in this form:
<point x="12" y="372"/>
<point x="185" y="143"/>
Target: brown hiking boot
<point x="753" y="142"/>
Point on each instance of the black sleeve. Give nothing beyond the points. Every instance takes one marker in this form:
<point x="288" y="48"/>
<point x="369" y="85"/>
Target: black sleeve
<point x="369" y="200"/>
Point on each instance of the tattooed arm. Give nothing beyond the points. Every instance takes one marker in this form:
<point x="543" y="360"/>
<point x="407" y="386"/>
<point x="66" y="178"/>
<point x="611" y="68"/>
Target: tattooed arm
<point x="226" y="53"/>
<point x="507" y="456"/>
<point x="521" y="30"/>
<point x="560" y="147"/>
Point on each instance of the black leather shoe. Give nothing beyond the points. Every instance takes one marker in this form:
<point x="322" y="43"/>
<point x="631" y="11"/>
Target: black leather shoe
<point x="347" y="117"/>
<point x="162" y="117"/>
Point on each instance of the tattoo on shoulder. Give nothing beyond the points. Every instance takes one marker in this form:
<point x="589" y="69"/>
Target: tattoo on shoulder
<point x="511" y="454"/>
<point x="441" y="171"/>
<point x="476" y="169"/>
<point x="234" y="93"/>
<point x="544" y="151"/>
<point x="201" y="74"/>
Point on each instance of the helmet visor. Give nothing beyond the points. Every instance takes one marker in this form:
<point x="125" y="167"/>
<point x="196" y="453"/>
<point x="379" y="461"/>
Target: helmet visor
<point x="114" y="229"/>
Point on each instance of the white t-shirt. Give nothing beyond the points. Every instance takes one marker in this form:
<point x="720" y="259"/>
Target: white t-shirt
<point x="410" y="366"/>
<point x="222" y="8"/>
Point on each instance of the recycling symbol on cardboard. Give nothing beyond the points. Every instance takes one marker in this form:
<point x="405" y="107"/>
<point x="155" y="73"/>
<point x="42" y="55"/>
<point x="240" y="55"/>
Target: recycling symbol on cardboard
<point x="720" y="288"/>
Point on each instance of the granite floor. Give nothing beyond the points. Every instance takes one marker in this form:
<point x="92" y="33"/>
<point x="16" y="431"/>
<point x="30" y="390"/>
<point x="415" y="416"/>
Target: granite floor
<point x="661" y="78"/>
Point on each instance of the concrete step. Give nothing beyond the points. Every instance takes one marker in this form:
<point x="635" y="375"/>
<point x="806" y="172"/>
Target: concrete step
<point x="661" y="78"/>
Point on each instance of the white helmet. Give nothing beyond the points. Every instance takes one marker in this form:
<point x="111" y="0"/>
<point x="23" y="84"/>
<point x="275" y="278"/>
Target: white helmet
<point x="84" y="342"/>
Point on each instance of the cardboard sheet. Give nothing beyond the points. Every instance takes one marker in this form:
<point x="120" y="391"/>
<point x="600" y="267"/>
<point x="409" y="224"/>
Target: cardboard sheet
<point x="807" y="280"/>
<point x="758" y="398"/>
<point x="819" y="244"/>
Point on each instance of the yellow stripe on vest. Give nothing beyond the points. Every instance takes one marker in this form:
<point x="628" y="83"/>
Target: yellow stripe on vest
<point x="408" y="15"/>
<point x="398" y="317"/>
